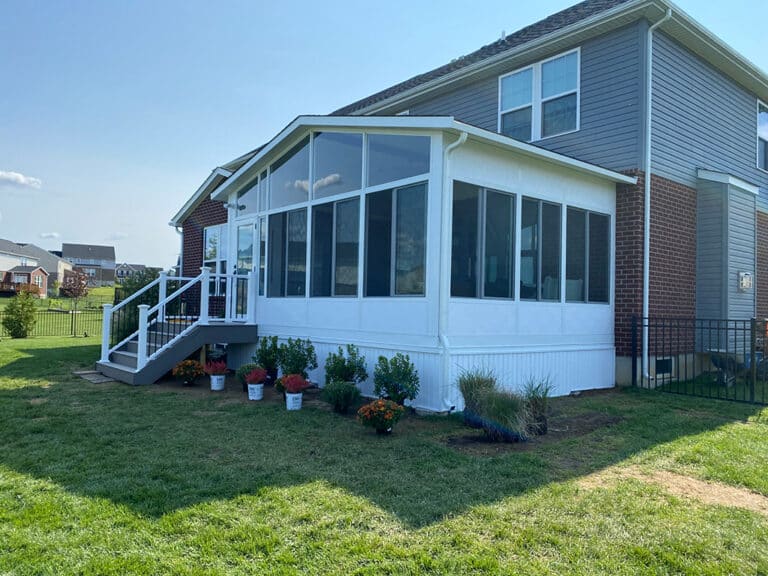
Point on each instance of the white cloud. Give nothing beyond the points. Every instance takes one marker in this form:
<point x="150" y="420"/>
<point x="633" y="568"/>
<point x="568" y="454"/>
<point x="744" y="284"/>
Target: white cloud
<point x="49" y="235"/>
<point x="17" y="180"/>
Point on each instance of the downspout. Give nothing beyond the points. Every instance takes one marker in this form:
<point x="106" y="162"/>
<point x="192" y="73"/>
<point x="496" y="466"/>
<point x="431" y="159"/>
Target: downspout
<point x="647" y="189"/>
<point x="445" y="266"/>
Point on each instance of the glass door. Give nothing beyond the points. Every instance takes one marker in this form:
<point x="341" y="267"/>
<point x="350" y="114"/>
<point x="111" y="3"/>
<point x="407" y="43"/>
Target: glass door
<point x="243" y="268"/>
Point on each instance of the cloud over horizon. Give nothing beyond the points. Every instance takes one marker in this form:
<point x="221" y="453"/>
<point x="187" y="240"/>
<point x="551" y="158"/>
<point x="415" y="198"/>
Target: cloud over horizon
<point x="18" y="180"/>
<point x="49" y="235"/>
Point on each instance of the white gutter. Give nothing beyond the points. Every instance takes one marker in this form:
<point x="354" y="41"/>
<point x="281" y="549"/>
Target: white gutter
<point x="445" y="265"/>
<point x="647" y="188"/>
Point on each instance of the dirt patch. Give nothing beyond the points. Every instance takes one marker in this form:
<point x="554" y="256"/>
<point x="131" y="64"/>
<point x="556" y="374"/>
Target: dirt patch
<point x="38" y="401"/>
<point x="561" y="427"/>
<point x="684" y="487"/>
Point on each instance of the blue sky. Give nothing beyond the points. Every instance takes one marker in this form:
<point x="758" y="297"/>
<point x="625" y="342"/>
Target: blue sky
<point x="113" y="113"/>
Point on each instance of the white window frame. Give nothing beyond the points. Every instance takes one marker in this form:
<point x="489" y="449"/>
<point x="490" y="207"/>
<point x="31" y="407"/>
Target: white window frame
<point x="537" y="102"/>
<point x="757" y="139"/>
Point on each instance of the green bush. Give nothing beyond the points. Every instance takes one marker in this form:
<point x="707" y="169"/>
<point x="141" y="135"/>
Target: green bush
<point x="351" y="368"/>
<point x="473" y="384"/>
<point x="341" y="395"/>
<point x="396" y="378"/>
<point x="20" y="315"/>
<point x="268" y="353"/>
<point x="297" y="357"/>
<point x="243" y="371"/>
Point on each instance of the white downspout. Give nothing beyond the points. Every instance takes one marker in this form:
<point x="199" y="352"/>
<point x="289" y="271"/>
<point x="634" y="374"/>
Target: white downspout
<point x="647" y="190"/>
<point x="445" y="265"/>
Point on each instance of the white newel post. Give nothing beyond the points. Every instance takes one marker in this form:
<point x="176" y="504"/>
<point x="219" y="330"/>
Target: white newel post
<point x="106" y="327"/>
<point x="253" y="287"/>
<point x="141" y="359"/>
<point x="205" y="282"/>
<point x="163" y="293"/>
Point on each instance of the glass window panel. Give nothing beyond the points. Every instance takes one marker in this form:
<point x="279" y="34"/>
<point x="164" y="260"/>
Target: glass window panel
<point x="464" y="243"/>
<point x="276" y="270"/>
<point x="211" y="243"/>
<point x="516" y="89"/>
<point x="529" y="243"/>
<point x="599" y="257"/>
<point x="262" y="254"/>
<point x="762" y="133"/>
<point x="244" y="249"/>
<point x="558" y="115"/>
<point x="517" y="124"/>
<point x="410" y="240"/>
<point x="248" y="198"/>
<point x="223" y="242"/>
<point x="550" y="252"/>
<point x="289" y="176"/>
<point x="297" y="253"/>
<point x="322" y="249"/>
<point x="263" y="188"/>
<point x="559" y="75"/>
<point x="762" y="150"/>
<point x="378" y="243"/>
<point x="575" y="255"/>
<point x="347" y="241"/>
<point x="499" y="245"/>
<point x="392" y="157"/>
<point x="338" y="164"/>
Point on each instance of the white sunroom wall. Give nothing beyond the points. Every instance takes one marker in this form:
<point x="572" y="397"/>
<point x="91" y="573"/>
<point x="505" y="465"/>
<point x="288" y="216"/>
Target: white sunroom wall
<point x="570" y="344"/>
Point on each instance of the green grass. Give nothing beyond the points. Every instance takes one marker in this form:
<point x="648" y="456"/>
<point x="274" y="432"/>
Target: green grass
<point x="95" y="298"/>
<point x="110" y="479"/>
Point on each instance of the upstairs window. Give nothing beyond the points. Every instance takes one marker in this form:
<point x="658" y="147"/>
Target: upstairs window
<point x="541" y="100"/>
<point x="762" y="136"/>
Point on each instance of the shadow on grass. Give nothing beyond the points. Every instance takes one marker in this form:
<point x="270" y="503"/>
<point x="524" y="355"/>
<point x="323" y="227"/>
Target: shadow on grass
<point x="157" y="450"/>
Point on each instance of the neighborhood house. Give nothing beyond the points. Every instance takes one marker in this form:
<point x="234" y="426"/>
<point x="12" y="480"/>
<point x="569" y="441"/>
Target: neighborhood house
<point x="513" y="209"/>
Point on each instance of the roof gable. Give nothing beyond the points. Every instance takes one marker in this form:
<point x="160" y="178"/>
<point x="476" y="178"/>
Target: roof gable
<point x="88" y="252"/>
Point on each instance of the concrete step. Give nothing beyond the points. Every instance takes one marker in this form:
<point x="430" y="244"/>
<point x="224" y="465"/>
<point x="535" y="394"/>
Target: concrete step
<point x="117" y="372"/>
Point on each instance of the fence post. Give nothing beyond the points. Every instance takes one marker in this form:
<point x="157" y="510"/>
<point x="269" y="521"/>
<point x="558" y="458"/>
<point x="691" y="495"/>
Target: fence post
<point x="634" y="350"/>
<point x="141" y="352"/>
<point x="253" y="286"/>
<point x="204" y="293"/>
<point x="752" y="359"/>
<point x="163" y="292"/>
<point x="106" y="328"/>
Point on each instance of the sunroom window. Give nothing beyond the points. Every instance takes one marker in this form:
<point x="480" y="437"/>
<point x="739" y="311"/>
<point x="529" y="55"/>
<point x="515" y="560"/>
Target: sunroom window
<point x="287" y="254"/>
<point x="541" y="100"/>
<point x="338" y="163"/>
<point x="215" y="255"/>
<point x="394" y="157"/>
<point x="762" y="136"/>
<point x="540" y="250"/>
<point x="335" y="241"/>
<point x="289" y="177"/>
<point x="587" y="256"/>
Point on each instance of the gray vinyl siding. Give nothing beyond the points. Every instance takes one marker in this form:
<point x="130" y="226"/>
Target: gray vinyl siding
<point x="701" y="119"/>
<point x="741" y="252"/>
<point x="610" y="133"/>
<point x="711" y="233"/>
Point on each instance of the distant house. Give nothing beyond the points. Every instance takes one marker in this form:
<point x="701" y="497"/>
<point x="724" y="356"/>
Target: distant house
<point x="54" y="265"/>
<point x="125" y="270"/>
<point x="96" y="262"/>
<point x="19" y="276"/>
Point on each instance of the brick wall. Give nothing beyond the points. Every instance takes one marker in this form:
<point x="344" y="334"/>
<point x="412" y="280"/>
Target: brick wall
<point x="208" y="213"/>
<point x="761" y="273"/>
<point x="672" y="254"/>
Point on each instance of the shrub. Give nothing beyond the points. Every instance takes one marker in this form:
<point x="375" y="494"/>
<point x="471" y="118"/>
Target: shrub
<point x="294" y="383"/>
<point x="188" y="371"/>
<point x="268" y="353"/>
<point x="380" y="414"/>
<point x="536" y="394"/>
<point x="503" y="416"/>
<point x="396" y="378"/>
<point x="20" y="316"/>
<point x="244" y="370"/>
<point x="216" y="367"/>
<point x="297" y="357"/>
<point x="345" y="369"/>
<point x="341" y="395"/>
<point x="256" y="376"/>
<point x="473" y="384"/>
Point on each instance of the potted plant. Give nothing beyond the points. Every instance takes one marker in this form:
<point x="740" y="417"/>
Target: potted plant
<point x="351" y="368"/>
<point x="396" y="378"/>
<point x="243" y="371"/>
<point x="381" y="415"/>
<point x="297" y="357"/>
<point x="268" y="356"/>
<point x="255" y="380"/>
<point x="188" y="371"/>
<point x="294" y="385"/>
<point x="217" y="370"/>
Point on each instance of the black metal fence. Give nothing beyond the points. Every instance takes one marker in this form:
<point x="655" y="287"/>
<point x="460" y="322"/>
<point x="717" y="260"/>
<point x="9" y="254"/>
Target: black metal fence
<point x="63" y="323"/>
<point x="711" y="358"/>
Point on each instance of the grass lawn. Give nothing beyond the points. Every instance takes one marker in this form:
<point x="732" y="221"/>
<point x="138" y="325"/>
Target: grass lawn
<point x="94" y="300"/>
<point x="110" y="479"/>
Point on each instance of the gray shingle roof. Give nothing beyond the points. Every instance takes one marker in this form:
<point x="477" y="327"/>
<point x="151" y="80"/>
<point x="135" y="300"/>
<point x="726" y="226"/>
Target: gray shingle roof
<point x="88" y="252"/>
<point x="25" y="269"/>
<point x="552" y="23"/>
<point x="50" y="262"/>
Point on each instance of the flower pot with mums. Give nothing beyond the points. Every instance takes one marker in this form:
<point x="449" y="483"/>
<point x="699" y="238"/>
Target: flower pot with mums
<point x="217" y="370"/>
<point x="188" y="371"/>
<point x="255" y="380"/>
<point x="294" y="386"/>
<point x="381" y="415"/>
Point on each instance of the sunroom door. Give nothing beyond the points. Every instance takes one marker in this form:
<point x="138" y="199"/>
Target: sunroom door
<point x="243" y="268"/>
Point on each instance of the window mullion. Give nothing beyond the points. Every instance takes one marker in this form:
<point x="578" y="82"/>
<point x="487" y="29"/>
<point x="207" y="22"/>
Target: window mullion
<point x="333" y="248"/>
<point x="393" y="245"/>
<point x="586" y="257"/>
<point x="539" y="236"/>
<point x="482" y="235"/>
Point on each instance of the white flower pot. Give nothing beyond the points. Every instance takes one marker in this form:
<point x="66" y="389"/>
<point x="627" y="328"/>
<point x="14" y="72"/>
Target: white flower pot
<point x="217" y="382"/>
<point x="255" y="391"/>
<point x="293" y="401"/>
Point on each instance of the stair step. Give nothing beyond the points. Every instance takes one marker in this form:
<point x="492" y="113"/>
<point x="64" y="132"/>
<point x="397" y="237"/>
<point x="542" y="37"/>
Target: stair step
<point x="128" y="359"/>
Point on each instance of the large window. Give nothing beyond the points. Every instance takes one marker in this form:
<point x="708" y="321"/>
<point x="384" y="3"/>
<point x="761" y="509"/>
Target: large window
<point x="215" y="240"/>
<point x="248" y="197"/>
<point x="338" y="163"/>
<point x="540" y="250"/>
<point x="392" y="157"/>
<point x="541" y="100"/>
<point x="262" y="254"/>
<point x="482" y="255"/>
<point x="395" y="251"/>
<point x="335" y="241"/>
<point x="762" y="136"/>
<point x="587" y="256"/>
<point x="289" y="176"/>
<point x="287" y="253"/>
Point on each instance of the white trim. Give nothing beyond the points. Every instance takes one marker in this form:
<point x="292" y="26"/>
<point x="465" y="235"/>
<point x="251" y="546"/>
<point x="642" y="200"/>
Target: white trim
<point x="201" y="192"/>
<point x="537" y="99"/>
<point x="728" y="179"/>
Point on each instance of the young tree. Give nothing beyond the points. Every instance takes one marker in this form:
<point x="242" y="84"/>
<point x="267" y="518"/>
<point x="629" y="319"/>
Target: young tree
<point x="19" y="318"/>
<point x="75" y="286"/>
